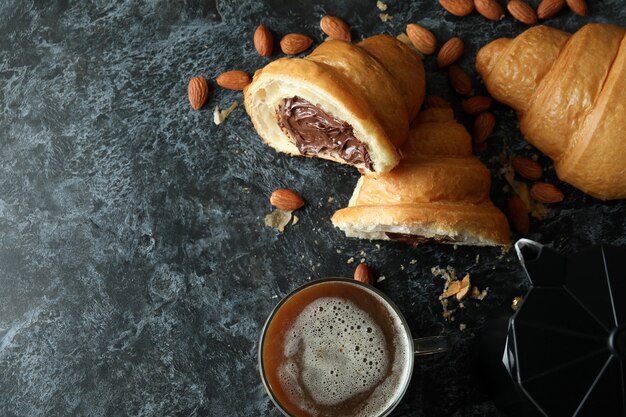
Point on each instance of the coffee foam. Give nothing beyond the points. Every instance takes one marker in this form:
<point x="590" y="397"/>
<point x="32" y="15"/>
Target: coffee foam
<point x="335" y="351"/>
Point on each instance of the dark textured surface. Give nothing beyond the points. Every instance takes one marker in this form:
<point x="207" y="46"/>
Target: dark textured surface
<point x="135" y="268"/>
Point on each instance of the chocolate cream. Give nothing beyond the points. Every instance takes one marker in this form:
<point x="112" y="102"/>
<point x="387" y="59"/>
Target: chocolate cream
<point x="314" y="131"/>
<point x="417" y="240"/>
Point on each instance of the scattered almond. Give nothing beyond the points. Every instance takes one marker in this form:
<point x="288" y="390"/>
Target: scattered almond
<point x="522" y="12"/>
<point x="198" y="92"/>
<point x="546" y="193"/>
<point x="285" y="199"/>
<point x="527" y="168"/>
<point x="335" y="28"/>
<point x="578" y="6"/>
<point x="461" y="82"/>
<point x="364" y="274"/>
<point x="450" y="52"/>
<point x="518" y="214"/>
<point x="422" y="39"/>
<point x="483" y="126"/>
<point x="233" y="80"/>
<point x="549" y="8"/>
<point x="490" y="9"/>
<point x="476" y="105"/>
<point x="436" y="102"/>
<point x="263" y="41"/>
<point x="458" y="7"/>
<point x="295" y="43"/>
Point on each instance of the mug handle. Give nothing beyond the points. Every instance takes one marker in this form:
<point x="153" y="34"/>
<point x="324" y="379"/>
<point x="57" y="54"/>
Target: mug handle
<point x="430" y="345"/>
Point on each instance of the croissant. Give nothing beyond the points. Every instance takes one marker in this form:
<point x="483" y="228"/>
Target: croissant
<point x="346" y="103"/>
<point x="438" y="193"/>
<point x="569" y="92"/>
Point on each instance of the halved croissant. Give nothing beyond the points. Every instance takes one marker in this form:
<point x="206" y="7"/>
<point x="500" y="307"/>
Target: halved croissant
<point x="569" y="92"/>
<point x="347" y="103"/>
<point x="438" y="193"/>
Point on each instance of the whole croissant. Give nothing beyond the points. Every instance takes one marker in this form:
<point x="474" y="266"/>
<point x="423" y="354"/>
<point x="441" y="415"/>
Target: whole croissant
<point x="569" y="92"/>
<point x="438" y="193"/>
<point x="348" y="103"/>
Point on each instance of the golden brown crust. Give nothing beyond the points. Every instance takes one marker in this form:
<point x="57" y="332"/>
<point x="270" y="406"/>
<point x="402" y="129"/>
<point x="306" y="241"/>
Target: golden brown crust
<point x="439" y="190"/>
<point x="349" y="82"/>
<point x="568" y="91"/>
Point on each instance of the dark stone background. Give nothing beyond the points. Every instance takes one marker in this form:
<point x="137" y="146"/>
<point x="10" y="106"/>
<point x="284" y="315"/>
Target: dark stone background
<point x="135" y="268"/>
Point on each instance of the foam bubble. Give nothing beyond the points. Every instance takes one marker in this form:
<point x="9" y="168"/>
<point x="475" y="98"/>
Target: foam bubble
<point x="333" y="357"/>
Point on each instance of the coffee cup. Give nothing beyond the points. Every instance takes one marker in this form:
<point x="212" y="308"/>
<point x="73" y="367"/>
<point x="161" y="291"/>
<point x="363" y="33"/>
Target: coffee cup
<point x="339" y="347"/>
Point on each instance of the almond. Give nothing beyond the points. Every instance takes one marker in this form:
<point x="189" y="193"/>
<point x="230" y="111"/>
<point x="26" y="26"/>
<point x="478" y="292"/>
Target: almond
<point x="522" y="12"/>
<point x="436" y="102"/>
<point x="295" y="43"/>
<point x="458" y="7"/>
<point x="461" y="82"/>
<point x="545" y="192"/>
<point x="549" y="8"/>
<point x="335" y="28"/>
<point x="450" y="52"/>
<point x="483" y="126"/>
<point x="518" y="214"/>
<point x="233" y="80"/>
<point x="263" y="41"/>
<point x="476" y="105"/>
<point x="198" y="92"/>
<point x="364" y="274"/>
<point x="490" y="9"/>
<point x="285" y="199"/>
<point x="527" y="168"/>
<point x="422" y="39"/>
<point x="578" y="6"/>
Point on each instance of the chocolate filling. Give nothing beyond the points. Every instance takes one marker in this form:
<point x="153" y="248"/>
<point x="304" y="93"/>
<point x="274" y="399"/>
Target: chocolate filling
<point x="417" y="240"/>
<point x="314" y="131"/>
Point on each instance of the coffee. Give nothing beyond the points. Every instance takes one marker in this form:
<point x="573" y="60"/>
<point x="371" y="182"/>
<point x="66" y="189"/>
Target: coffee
<point x="336" y="349"/>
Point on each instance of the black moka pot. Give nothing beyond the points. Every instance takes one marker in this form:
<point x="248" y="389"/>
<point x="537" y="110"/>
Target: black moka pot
<point x="562" y="354"/>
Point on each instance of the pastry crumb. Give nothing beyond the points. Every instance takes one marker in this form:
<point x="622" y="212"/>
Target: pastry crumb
<point x="381" y="6"/>
<point x="516" y="302"/>
<point x="295" y="221"/>
<point x="479" y="295"/>
<point x="338" y="250"/>
<point x="413" y="261"/>
<point x="351" y="260"/>
<point x="381" y="278"/>
<point x="278" y="219"/>
<point x="385" y="17"/>
<point x="331" y="199"/>
<point x="274" y="296"/>
<point x="220" y="115"/>
<point x="462" y="326"/>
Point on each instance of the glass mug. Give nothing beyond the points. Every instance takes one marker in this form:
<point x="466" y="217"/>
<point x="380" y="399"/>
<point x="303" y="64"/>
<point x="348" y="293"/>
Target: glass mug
<point x="337" y="346"/>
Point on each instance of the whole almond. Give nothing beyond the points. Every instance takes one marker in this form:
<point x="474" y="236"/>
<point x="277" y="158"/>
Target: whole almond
<point x="578" y="6"/>
<point x="432" y="102"/>
<point x="364" y="274"/>
<point x="545" y="192"/>
<point x="522" y="12"/>
<point x="263" y="41"/>
<point x="198" y="92"/>
<point x="518" y="214"/>
<point x="286" y="199"/>
<point x="461" y="82"/>
<point x="422" y="39"/>
<point x="527" y="168"/>
<point x="233" y="80"/>
<point x="450" y="52"/>
<point x="458" y="7"/>
<point x="490" y="9"/>
<point x="483" y="126"/>
<point x="295" y="43"/>
<point x="549" y="8"/>
<point x="335" y="28"/>
<point x="476" y="105"/>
